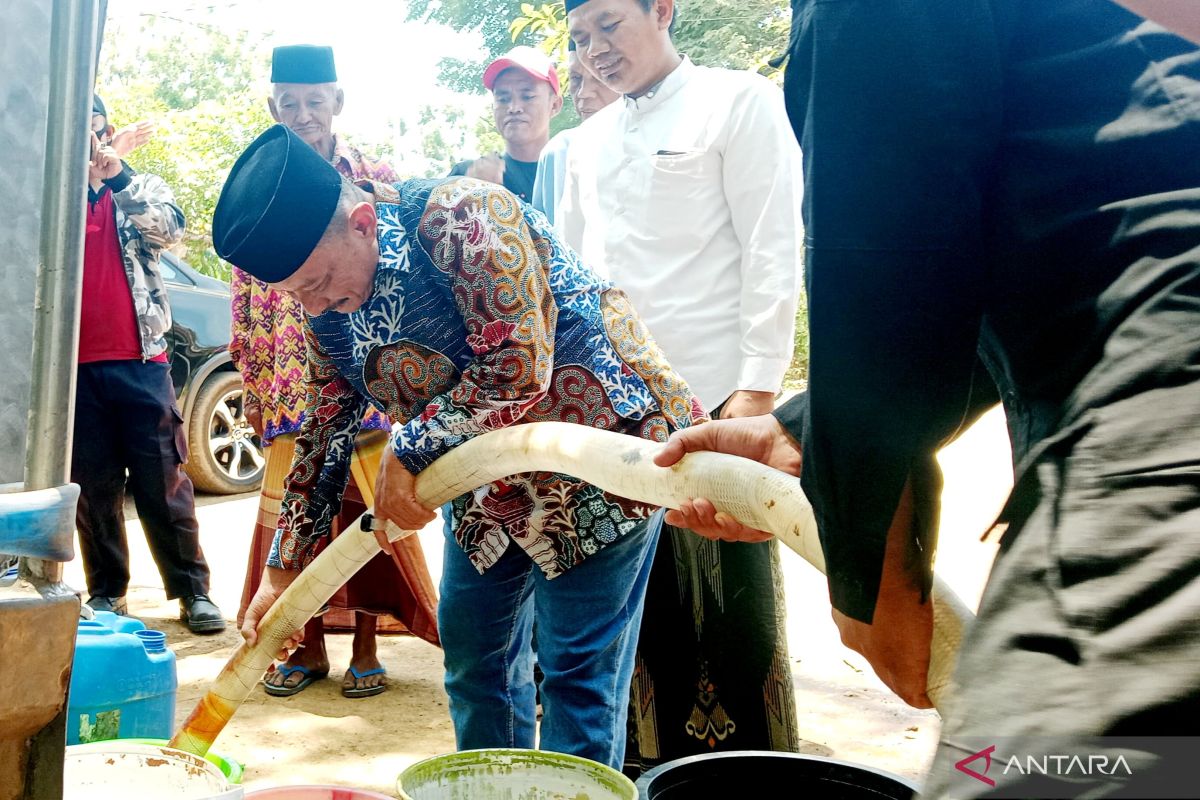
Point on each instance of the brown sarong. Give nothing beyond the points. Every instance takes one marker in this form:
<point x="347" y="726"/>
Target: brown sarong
<point x="398" y="590"/>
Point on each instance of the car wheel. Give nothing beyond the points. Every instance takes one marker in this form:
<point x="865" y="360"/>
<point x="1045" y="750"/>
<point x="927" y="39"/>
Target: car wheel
<point x="225" y="456"/>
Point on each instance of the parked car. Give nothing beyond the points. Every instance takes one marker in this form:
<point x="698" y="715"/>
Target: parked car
<point x="225" y="455"/>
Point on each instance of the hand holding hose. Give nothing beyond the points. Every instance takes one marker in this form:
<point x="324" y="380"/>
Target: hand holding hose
<point x="761" y="439"/>
<point x="396" y="500"/>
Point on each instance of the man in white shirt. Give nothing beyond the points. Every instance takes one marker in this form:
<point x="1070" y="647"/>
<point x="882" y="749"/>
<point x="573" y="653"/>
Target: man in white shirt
<point x="686" y="193"/>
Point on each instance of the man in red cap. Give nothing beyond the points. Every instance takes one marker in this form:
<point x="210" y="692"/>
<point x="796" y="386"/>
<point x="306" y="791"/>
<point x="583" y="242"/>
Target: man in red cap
<point x="525" y="97"/>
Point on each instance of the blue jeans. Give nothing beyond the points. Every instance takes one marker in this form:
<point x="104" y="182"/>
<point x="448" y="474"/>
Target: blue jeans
<point x="587" y="626"/>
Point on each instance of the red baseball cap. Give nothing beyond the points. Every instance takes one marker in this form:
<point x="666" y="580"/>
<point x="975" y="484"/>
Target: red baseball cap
<point x="529" y="59"/>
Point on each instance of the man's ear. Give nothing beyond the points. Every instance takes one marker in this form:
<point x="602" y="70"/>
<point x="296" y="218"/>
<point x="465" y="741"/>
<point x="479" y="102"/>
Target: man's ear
<point x="664" y="11"/>
<point x="273" y="109"/>
<point x="339" y="101"/>
<point x="362" y="219"/>
<point x="556" y="104"/>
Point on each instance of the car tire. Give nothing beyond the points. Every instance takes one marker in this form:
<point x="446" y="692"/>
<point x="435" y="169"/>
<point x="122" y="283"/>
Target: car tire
<point x="225" y="456"/>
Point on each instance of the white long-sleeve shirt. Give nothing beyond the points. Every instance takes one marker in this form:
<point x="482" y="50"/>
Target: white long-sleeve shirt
<point x="688" y="198"/>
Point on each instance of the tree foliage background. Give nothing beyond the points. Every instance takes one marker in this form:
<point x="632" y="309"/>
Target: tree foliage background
<point x="204" y="90"/>
<point x="206" y="87"/>
<point x="738" y="34"/>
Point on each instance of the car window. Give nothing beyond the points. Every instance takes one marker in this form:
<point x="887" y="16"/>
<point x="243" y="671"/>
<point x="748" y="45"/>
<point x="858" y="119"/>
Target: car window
<point x="170" y="274"/>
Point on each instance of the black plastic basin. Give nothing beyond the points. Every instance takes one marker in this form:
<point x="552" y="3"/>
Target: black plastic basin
<point x="748" y="774"/>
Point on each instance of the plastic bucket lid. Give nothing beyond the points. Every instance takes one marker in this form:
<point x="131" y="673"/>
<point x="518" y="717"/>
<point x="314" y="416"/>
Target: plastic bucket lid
<point x="730" y="775"/>
<point x="315" y="793"/>
<point x="502" y="774"/>
<point x="118" y="770"/>
<point x="231" y="769"/>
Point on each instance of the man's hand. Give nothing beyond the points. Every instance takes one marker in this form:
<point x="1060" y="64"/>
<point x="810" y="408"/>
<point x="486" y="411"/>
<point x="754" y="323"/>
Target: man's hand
<point x="396" y="499"/>
<point x="488" y="168"/>
<point x="897" y="641"/>
<point x="273" y="582"/>
<point x="104" y="163"/>
<point x="131" y="137"/>
<point x="745" y="403"/>
<point x="760" y="438"/>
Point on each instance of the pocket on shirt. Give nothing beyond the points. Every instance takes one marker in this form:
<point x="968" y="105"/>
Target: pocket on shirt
<point x="669" y="165"/>
<point x="675" y="180"/>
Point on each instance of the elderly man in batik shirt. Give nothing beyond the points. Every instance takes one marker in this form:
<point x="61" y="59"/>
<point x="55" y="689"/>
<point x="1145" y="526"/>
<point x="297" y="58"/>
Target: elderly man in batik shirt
<point x="267" y="346"/>
<point x="453" y="307"/>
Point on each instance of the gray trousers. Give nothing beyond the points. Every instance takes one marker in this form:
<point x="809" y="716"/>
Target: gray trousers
<point x="1090" y="624"/>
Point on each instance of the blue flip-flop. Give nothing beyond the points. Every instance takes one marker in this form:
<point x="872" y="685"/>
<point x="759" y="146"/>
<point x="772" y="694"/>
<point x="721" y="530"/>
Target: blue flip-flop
<point x="367" y="691"/>
<point x="287" y="672"/>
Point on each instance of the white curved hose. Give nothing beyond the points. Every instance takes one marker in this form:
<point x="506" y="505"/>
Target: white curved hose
<point x="622" y="465"/>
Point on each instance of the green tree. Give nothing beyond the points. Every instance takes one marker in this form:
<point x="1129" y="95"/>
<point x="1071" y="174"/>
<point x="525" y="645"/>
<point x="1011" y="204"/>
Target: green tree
<point x="738" y="34"/>
<point x="197" y="85"/>
<point x="182" y="64"/>
<point x="443" y="136"/>
<point x="490" y="18"/>
<point x="547" y="22"/>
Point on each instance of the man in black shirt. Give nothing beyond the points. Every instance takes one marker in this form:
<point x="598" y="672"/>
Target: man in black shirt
<point x="1016" y="182"/>
<point x="525" y="97"/>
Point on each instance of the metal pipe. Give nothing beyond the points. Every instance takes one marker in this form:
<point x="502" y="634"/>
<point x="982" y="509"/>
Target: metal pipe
<point x="73" y="45"/>
<point x="60" y="269"/>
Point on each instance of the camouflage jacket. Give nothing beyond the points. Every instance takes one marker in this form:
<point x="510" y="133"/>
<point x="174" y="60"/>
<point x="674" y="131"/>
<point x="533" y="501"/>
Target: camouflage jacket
<point x="148" y="221"/>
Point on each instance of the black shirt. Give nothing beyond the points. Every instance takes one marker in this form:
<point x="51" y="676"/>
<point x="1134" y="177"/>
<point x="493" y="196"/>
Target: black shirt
<point x="518" y="175"/>
<point x="1018" y="179"/>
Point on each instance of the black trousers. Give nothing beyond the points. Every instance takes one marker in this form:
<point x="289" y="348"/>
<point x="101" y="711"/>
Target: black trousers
<point x="126" y="420"/>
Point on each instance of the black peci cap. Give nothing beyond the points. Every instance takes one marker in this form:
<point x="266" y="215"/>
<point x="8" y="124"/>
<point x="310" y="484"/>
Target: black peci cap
<point x="303" y="63"/>
<point x="275" y="206"/>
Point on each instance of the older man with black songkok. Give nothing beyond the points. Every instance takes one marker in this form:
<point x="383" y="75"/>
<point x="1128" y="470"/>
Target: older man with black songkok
<point x="446" y="307"/>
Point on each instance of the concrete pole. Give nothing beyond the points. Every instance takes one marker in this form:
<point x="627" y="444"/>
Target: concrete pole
<point x="74" y="25"/>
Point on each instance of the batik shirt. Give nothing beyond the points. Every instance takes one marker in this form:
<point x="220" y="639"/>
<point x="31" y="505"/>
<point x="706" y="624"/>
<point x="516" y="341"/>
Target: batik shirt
<point x="479" y="319"/>
<point x="267" y="339"/>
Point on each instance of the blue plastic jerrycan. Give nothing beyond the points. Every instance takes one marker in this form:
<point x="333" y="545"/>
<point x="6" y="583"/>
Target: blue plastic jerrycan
<point x="123" y="682"/>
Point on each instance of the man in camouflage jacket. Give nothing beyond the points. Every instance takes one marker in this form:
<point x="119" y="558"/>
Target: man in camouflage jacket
<point x="126" y="417"/>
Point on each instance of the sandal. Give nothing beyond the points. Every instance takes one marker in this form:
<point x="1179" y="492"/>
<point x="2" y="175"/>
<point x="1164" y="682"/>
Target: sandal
<point x="287" y="672"/>
<point x="366" y="691"/>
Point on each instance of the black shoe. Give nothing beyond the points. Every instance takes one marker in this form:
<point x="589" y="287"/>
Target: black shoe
<point x="200" y="614"/>
<point x="116" y="605"/>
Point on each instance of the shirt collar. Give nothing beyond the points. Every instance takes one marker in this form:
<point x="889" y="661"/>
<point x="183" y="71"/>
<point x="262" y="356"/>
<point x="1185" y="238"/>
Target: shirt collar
<point x="346" y="154"/>
<point x="664" y="89"/>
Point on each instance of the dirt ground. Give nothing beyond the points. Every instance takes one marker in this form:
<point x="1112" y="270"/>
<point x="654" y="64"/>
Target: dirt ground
<point x="319" y="737"/>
